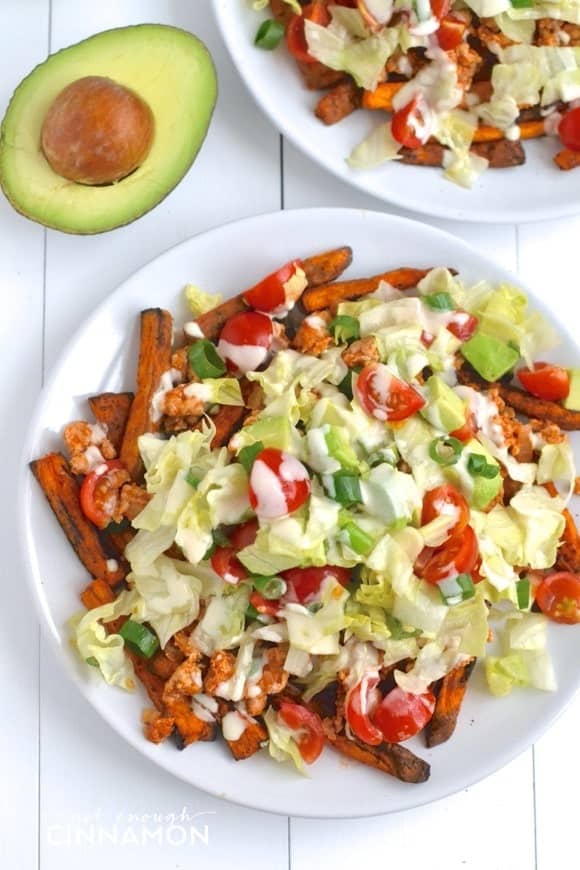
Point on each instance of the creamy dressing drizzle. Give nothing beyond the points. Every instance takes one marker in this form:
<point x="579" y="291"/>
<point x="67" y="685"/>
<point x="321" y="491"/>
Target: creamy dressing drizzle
<point x="246" y="357"/>
<point x="271" y="501"/>
<point x="233" y="725"/>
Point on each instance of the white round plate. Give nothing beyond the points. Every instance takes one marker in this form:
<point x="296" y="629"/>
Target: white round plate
<point x="538" y="190"/>
<point x="102" y="356"/>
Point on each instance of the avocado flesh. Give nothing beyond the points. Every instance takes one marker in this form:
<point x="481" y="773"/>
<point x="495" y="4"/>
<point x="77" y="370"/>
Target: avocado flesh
<point x="444" y="410"/>
<point x="169" y="68"/>
<point x="572" y="400"/>
<point x="490" y="357"/>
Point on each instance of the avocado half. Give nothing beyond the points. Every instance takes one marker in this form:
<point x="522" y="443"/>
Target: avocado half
<point x="168" y="68"/>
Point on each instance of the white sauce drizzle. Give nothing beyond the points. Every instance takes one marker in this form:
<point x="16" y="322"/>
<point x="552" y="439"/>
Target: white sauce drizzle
<point x="112" y="566"/>
<point x="233" y="726"/>
<point x="192" y="330"/>
<point x="271" y="501"/>
<point x="246" y="357"/>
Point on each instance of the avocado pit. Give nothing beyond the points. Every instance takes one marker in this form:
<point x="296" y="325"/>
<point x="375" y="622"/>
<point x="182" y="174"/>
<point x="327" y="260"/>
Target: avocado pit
<point x="97" y="131"/>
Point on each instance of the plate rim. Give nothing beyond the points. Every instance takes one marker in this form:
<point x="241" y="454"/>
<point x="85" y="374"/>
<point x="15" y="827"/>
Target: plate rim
<point x="437" y="210"/>
<point x="41" y="604"/>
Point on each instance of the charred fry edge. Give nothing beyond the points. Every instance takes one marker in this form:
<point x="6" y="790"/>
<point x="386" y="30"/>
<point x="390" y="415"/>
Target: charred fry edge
<point x="450" y="694"/>
<point x="111" y="410"/>
<point x="390" y="758"/>
<point x="62" y="491"/>
<point x="154" y="360"/>
<point x="314" y="299"/>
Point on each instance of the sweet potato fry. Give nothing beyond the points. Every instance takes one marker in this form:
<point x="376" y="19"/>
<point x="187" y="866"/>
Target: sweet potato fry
<point x="338" y="103"/>
<point x="120" y="538"/>
<point x="154" y="361"/>
<point x="567" y="159"/>
<point x="62" y="491"/>
<point x="326" y="267"/>
<point x="388" y="757"/>
<point x="96" y="593"/>
<point x="314" y="299"/>
<point x="528" y="130"/>
<point x="382" y="96"/>
<point x="318" y="77"/>
<point x="111" y="410"/>
<point x="568" y="558"/>
<point x="501" y="154"/>
<point x="153" y="683"/>
<point x="450" y="694"/>
<point x="281" y="11"/>
<point x="212" y="322"/>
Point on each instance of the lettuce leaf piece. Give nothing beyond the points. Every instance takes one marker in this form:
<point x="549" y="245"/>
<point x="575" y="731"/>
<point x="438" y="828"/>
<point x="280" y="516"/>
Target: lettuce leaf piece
<point x="529" y="529"/>
<point x="317" y="632"/>
<point x="148" y="545"/>
<point x="519" y="31"/>
<point x="557" y="465"/>
<point x="455" y="130"/>
<point x="432" y="663"/>
<point x="334" y="409"/>
<point x="465" y="627"/>
<point x="524" y="660"/>
<point x="338" y="49"/>
<point x="198" y="301"/>
<point x="377" y="148"/>
<point x="390" y="495"/>
<point x="218" y="391"/>
<point x="282" y="744"/>
<point x="194" y="526"/>
<point x="436" y="83"/>
<point x="222" y="625"/>
<point x="108" y="650"/>
<point x="169" y="591"/>
<point x="565" y="86"/>
<point x="272" y="431"/>
<point x="164" y="459"/>
<point x="440" y="280"/>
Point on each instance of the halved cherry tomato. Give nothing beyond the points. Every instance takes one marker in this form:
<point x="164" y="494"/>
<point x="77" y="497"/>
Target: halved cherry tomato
<point x="427" y="338"/>
<point x="384" y="396"/>
<point x="402" y="126"/>
<point x="267" y="606"/>
<point x="445" y="500"/>
<point x="558" y="596"/>
<point x="304" y="583"/>
<point x="269" y="293"/>
<point x="361" y="701"/>
<point x="279" y="484"/>
<point x="467" y="431"/>
<point x="545" y="381"/>
<point x="95" y="508"/>
<point x="440" y="8"/>
<point x="245" y="340"/>
<point x="310" y="738"/>
<point x="244" y="535"/>
<point x="225" y="563"/>
<point x="569" y="129"/>
<point x="463" y="325"/>
<point x="450" y="33"/>
<point x="401" y="715"/>
<point x="457" y="556"/>
<point x="295" y="35"/>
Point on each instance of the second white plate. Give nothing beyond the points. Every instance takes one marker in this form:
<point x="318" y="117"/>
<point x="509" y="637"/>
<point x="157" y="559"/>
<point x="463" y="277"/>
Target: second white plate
<point x="538" y="190"/>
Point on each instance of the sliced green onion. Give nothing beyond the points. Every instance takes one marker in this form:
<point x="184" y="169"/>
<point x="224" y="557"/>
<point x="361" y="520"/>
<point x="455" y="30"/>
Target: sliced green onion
<point x="139" y="638"/>
<point x="445" y="450"/>
<point x="523" y="592"/>
<point x="395" y="626"/>
<point x="358" y="540"/>
<point x="346" y="488"/>
<point x="271" y="588"/>
<point x="92" y="662"/>
<point x="205" y="360"/>
<point x="269" y="34"/>
<point x="439" y="301"/>
<point x="315" y="606"/>
<point x="220" y="538"/>
<point x="252" y="613"/>
<point x="247" y="455"/>
<point x="114" y="528"/>
<point x="478" y="466"/>
<point x="456" y="589"/>
<point x="345" y="385"/>
<point x="209" y="552"/>
<point x="192" y="480"/>
<point x="522" y="4"/>
<point x="344" y="328"/>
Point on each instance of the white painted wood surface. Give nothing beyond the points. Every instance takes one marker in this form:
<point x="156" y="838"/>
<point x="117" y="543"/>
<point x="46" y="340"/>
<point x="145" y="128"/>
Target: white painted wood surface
<point x="73" y="794"/>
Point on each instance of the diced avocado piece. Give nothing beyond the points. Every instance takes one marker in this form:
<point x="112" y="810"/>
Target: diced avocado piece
<point x="444" y="408"/>
<point x="572" y="400"/>
<point x="271" y="431"/>
<point x="479" y="491"/>
<point x="489" y="357"/>
<point x="168" y="68"/>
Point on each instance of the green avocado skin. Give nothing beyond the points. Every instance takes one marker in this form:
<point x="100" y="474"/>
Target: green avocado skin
<point x="490" y="357"/>
<point x="170" y="68"/>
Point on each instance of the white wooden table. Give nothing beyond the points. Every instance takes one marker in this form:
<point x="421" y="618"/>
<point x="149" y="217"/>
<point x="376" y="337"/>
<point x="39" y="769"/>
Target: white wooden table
<point x="72" y="793"/>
